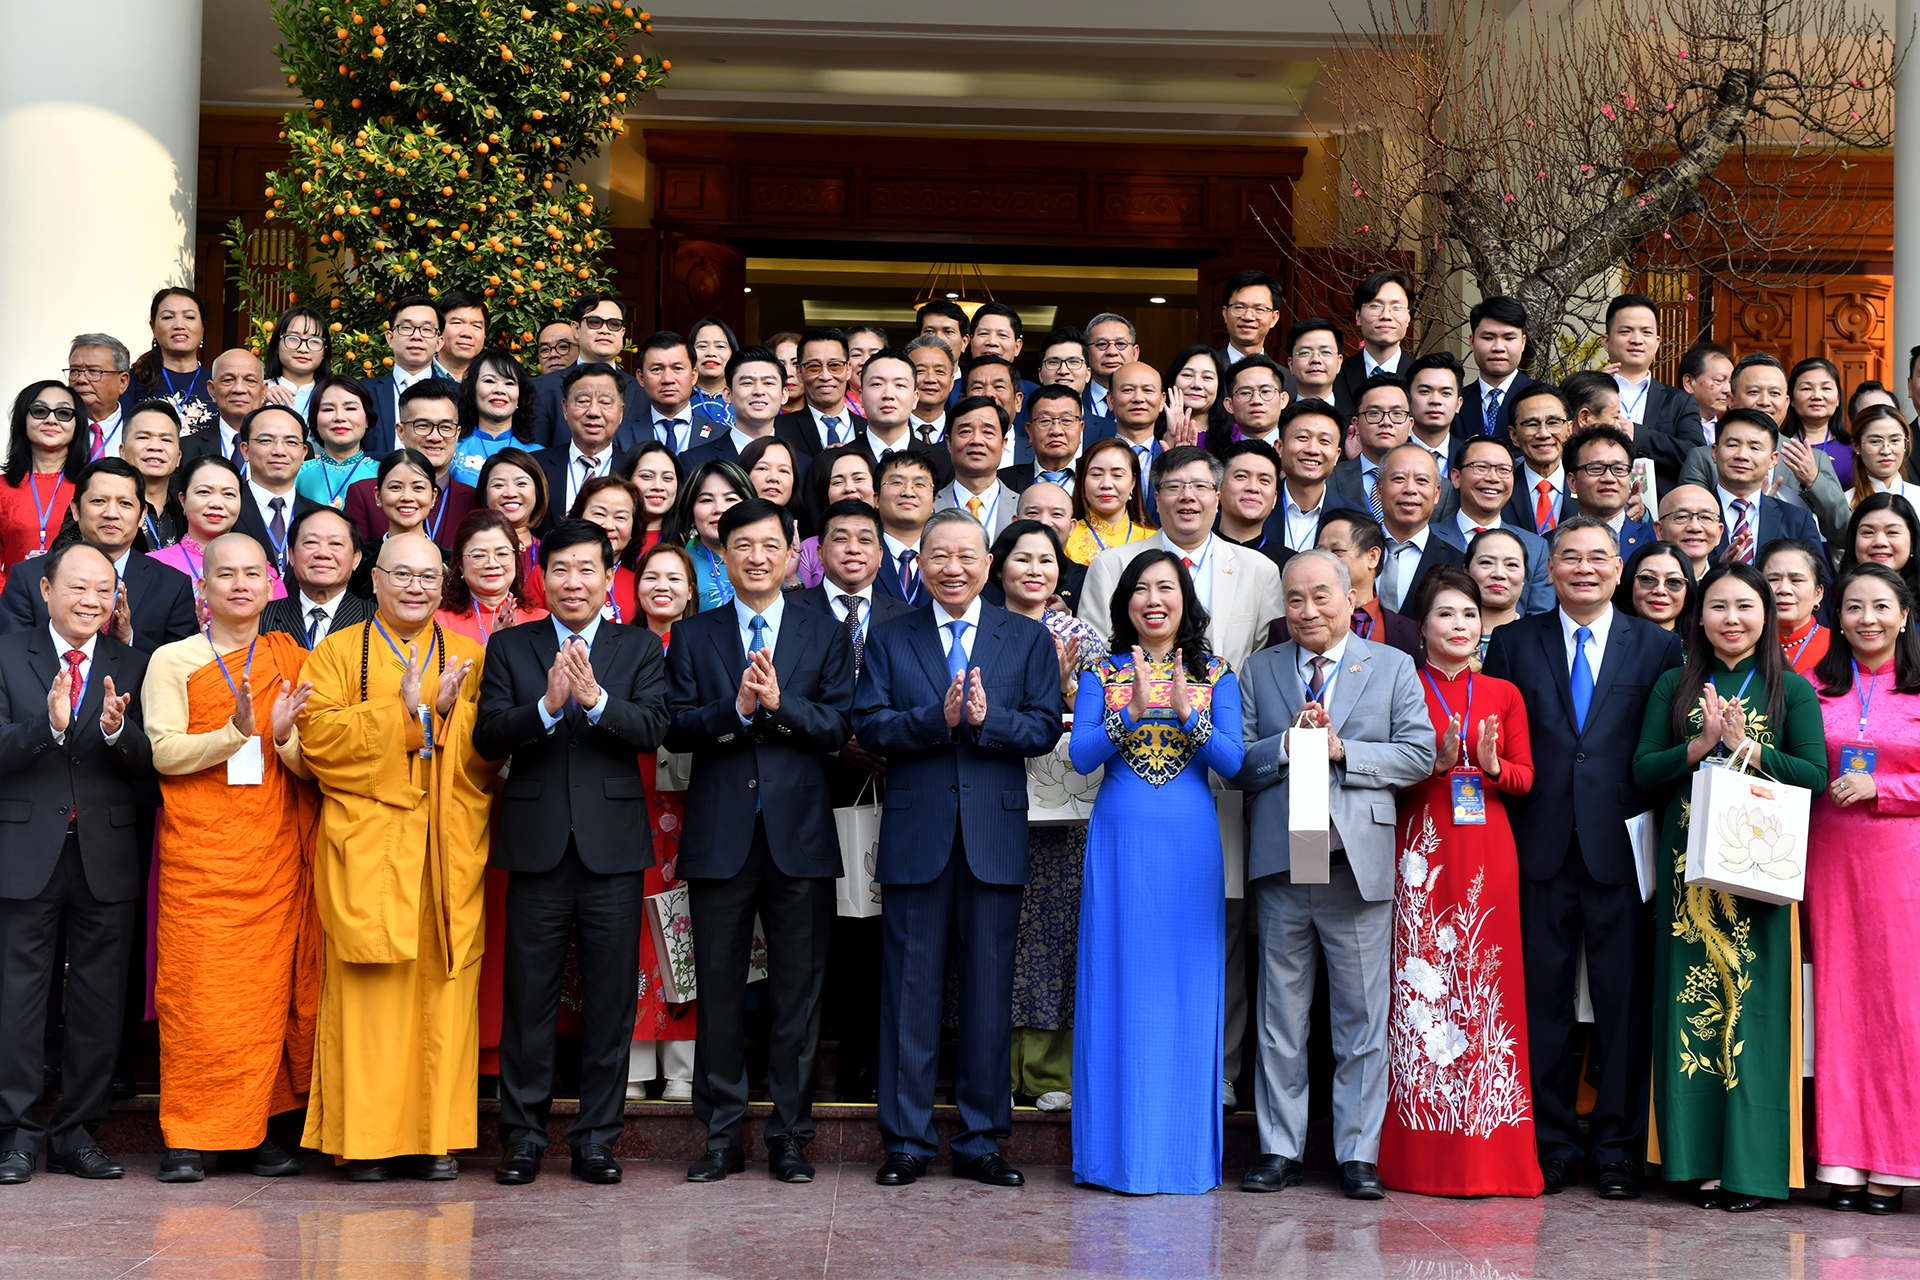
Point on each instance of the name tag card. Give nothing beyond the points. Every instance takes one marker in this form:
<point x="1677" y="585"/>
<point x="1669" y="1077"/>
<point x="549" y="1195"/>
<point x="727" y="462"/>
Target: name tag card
<point x="247" y="767"/>
<point x="1469" y="798"/>
<point x="1858" y="756"/>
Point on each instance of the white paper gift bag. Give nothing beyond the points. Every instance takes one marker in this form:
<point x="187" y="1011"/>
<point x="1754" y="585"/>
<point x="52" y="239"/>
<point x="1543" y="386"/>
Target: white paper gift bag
<point x="1747" y="834"/>
<point x="670" y="921"/>
<point x="855" y="894"/>
<point x="1056" y="795"/>
<point x="1308" y="821"/>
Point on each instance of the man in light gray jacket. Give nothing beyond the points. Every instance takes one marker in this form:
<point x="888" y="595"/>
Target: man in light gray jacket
<point x="1379" y="739"/>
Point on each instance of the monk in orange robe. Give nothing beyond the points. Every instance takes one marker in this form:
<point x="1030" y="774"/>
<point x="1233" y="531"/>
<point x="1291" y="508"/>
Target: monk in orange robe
<point x="239" y="940"/>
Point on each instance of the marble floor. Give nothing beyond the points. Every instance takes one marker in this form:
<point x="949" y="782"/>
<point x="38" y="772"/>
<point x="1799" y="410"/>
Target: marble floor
<point x="316" y="1227"/>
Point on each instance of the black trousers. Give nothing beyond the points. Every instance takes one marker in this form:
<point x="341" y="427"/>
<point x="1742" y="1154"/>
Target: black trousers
<point x="544" y="909"/>
<point x="1555" y="915"/>
<point x="852" y="997"/>
<point x="99" y="937"/>
<point x="796" y="913"/>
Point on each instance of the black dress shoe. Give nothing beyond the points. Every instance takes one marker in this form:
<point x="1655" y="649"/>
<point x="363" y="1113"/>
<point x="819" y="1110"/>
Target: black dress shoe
<point x="900" y="1170"/>
<point x="87" y="1162"/>
<point x="519" y="1166"/>
<point x="16" y="1167"/>
<point x="183" y="1165"/>
<point x="1274" y="1173"/>
<point x="1709" y="1198"/>
<point x="593" y="1162"/>
<point x="785" y="1162"/>
<point x="992" y="1169"/>
<point x="1742" y="1204"/>
<point x="717" y="1164"/>
<point x="1558" y="1175"/>
<point x="269" y="1160"/>
<point x="1846" y="1199"/>
<point x="365" y="1171"/>
<point x="1880" y="1205"/>
<point x="1359" y="1180"/>
<point x="434" y="1168"/>
<point x="1619" y="1180"/>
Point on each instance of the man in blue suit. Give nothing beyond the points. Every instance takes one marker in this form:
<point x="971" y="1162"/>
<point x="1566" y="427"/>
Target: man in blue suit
<point x="956" y="697"/>
<point x="1585" y="670"/>
<point x="1746" y="445"/>
<point x="904" y="487"/>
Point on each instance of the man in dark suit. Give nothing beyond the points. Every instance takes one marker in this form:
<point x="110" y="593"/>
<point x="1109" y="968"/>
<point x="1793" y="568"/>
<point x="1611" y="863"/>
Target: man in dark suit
<point x="322" y="554"/>
<point x="156" y="606"/>
<point x="760" y="694"/>
<point x="237" y="385"/>
<point x="824" y="420"/>
<point x="1248" y="496"/>
<point x="592" y="407"/>
<point x="573" y="701"/>
<point x="754" y="387"/>
<point x="413" y="335"/>
<point x="1585" y="670"/>
<point x="850" y="550"/>
<point x="903" y="492"/>
<point x="1497" y="333"/>
<point x="1382" y="313"/>
<point x="430" y="426"/>
<point x="599" y="335"/>
<point x="1745" y="447"/>
<point x="1249" y="309"/>
<point x="956" y="697"/>
<point x="1054" y="436"/>
<point x="1666" y="421"/>
<point x="1540" y="426"/>
<point x="1600" y="469"/>
<point x="275" y="440"/>
<point x="72" y="749"/>
<point x="1416" y="543"/>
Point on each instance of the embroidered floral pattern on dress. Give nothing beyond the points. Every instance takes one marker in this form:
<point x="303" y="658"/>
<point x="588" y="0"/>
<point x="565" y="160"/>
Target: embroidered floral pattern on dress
<point x="1157" y="750"/>
<point x="1454" y="1068"/>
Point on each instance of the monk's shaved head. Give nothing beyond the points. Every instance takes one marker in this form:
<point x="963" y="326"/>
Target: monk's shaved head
<point x="414" y="550"/>
<point x="417" y="558"/>
<point x="235" y="548"/>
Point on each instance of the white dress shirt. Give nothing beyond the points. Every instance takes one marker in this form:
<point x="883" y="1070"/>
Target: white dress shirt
<point x="1099" y="394"/>
<point x="1201" y="571"/>
<point x="989" y="501"/>
<point x="1404" y="557"/>
<point x="263" y="499"/>
<point x="60" y="648"/>
<point x="109" y="435"/>
<point x="864" y="595"/>
<point x="320" y="629"/>
<point x="936" y="429"/>
<point x="845" y="432"/>
<point x="677" y="429"/>
<point x="1731" y="518"/>
<point x="1601" y="627"/>
<point x="943" y="619"/>
<point x="880" y="448"/>
<point x="576" y="476"/>
<point x="1303" y="526"/>
<point x="1557" y="482"/>
<point x="1305" y="668"/>
<point x="1370" y="366"/>
<point x="586" y="633"/>
<point x="1468" y="524"/>
<point x="1633" y="396"/>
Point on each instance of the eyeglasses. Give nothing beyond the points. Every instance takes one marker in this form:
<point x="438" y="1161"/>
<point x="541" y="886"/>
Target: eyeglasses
<point x="1594" y="470"/>
<point x="1533" y="424"/>
<point x="613" y="324"/>
<point x="1692" y="517"/>
<point x="1592" y="560"/>
<point x="1504" y="470"/>
<point x="41" y="412"/>
<point x="83" y="373"/>
<point x="1111" y="344"/>
<point x="404" y="578"/>
<point x="408" y="329"/>
<point x="306" y="341"/>
<point x="1248" y="309"/>
<point x="1072" y="364"/>
<point x="480" y="555"/>
<point x="429" y="428"/>
<point x="1654" y="582"/>
<point x="1376" y="309"/>
<point x="546" y="349"/>
<point x="1307" y="353"/>
<point x="1179" y="488"/>
<point x="1265" y="392"/>
<point x="1073" y="421"/>
<point x="1374" y="417"/>
<point x="813" y="368"/>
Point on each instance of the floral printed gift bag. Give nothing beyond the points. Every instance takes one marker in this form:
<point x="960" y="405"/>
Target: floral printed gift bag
<point x="1746" y="834"/>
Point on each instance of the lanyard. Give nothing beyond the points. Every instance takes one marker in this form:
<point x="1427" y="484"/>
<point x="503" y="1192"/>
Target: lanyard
<point x="1466" y="716"/>
<point x="245" y="672"/>
<point x="107" y="439"/>
<point x="186" y="554"/>
<point x="439" y="514"/>
<point x="722" y="585"/>
<point x="1631" y="410"/>
<point x="193" y="382"/>
<point x="493" y="616"/>
<point x="1865" y="698"/>
<point x="1801" y="648"/>
<point x="327" y="465"/>
<point x="153" y="530"/>
<point x="46" y="512"/>
<point x="396" y="648"/>
<point x="1101" y="541"/>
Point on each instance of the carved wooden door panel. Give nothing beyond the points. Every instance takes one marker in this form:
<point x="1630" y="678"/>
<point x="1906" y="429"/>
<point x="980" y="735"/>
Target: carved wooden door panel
<point x="1847" y="319"/>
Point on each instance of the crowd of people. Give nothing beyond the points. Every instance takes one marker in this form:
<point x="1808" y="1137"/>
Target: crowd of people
<point x="573" y="679"/>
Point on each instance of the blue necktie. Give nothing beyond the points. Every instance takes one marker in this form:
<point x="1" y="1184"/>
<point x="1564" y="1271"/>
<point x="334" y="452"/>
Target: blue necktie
<point x="758" y="628"/>
<point x="1061" y="478"/>
<point x="956" y="652"/>
<point x="833" y="429"/>
<point x="1582" y="677"/>
<point x="1493" y="408"/>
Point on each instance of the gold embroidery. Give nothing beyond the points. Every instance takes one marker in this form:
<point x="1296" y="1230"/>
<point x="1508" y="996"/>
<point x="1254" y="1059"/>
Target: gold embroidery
<point x="1157" y="750"/>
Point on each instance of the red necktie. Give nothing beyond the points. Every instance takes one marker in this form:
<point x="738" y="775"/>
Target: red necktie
<point x="1543" y="509"/>
<point x="99" y="439"/>
<point x="75" y="688"/>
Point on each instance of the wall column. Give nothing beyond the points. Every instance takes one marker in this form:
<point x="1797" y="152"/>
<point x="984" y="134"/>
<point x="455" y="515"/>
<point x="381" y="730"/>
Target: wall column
<point x="99" y="139"/>
<point x="1906" y="195"/>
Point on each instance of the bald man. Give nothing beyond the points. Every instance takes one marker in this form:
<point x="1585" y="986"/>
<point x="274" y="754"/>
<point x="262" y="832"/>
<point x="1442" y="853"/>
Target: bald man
<point x="1136" y="399"/>
<point x="238" y="977"/>
<point x="1690" y="519"/>
<point x="238" y="385"/>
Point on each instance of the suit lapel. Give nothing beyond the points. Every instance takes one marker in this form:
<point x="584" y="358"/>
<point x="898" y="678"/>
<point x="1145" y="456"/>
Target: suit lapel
<point x="105" y="666"/>
<point x="790" y="641"/>
<point x="1619" y="638"/>
<point x="1553" y="651"/>
<point x="726" y="638"/>
<point x="1356" y="669"/>
<point x="926" y="643"/>
<point x="1226" y="590"/>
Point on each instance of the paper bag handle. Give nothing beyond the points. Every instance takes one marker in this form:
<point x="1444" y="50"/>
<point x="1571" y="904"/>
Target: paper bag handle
<point x="873" y="786"/>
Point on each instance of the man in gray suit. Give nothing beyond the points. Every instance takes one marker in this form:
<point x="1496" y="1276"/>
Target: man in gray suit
<point x="976" y="439"/>
<point x="1379" y="738"/>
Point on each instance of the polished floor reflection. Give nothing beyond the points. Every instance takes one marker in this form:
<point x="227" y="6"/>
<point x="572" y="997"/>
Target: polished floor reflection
<point x="316" y="1227"/>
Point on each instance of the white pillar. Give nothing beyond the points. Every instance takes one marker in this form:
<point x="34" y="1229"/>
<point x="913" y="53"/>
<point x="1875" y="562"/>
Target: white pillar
<point x="99" y="142"/>
<point x="1906" y="195"/>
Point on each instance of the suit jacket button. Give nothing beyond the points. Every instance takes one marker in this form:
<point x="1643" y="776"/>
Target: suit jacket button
<point x="952" y="789"/>
<point x="752" y="783"/>
<point x="63" y="811"/>
<point x="1580" y="758"/>
<point x="759" y="737"/>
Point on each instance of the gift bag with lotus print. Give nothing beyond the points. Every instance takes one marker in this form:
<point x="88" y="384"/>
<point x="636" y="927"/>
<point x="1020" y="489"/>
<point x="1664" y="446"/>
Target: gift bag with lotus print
<point x="1746" y="833"/>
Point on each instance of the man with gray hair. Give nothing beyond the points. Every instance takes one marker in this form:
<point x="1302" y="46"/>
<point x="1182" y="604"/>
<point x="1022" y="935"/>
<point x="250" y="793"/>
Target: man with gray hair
<point x="1379" y="738"/>
<point x="933" y="374"/>
<point x="99" y="368"/>
<point x="1112" y="345"/>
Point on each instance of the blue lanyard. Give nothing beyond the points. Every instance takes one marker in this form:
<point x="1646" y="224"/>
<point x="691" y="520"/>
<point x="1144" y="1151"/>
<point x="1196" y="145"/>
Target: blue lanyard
<point x="427" y="661"/>
<point x="1866" y="698"/>
<point x="107" y="439"/>
<point x="1466" y="717"/>
<point x="334" y="495"/>
<point x="1100" y="541"/>
<point x="46" y="512"/>
<point x="245" y="672"/>
<point x="188" y="557"/>
<point x="440" y="513"/>
<point x="1742" y="692"/>
<point x="1802" y="646"/>
<point x="193" y="382"/>
<point x="1629" y="410"/>
<point x="153" y="530"/>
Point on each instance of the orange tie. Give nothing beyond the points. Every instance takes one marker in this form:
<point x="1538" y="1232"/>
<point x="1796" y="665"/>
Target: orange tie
<point x="974" y="505"/>
<point x="1543" y="509"/>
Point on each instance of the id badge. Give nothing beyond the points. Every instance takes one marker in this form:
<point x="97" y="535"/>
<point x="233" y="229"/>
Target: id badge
<point x="247" y="767"/>
<point x="1858" y="756"/>
<point x="1469" y="798"/>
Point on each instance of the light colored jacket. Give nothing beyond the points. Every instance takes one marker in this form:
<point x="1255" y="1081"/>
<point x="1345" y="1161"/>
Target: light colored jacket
<point x="1246" y="594"/>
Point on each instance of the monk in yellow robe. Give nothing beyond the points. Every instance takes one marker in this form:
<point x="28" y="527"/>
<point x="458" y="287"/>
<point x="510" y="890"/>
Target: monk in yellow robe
<point x="399" y="869"/>
<point x="239" y="940"/>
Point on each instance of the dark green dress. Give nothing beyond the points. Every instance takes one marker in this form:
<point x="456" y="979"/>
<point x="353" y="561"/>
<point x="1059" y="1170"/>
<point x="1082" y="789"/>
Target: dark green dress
<point x="1726" y="969"/>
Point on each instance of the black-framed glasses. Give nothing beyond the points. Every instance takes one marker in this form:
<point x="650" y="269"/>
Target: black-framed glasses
<point x="1594" y="470"/>
<point x="41" y="412"/>
<point x="612" y="324"/>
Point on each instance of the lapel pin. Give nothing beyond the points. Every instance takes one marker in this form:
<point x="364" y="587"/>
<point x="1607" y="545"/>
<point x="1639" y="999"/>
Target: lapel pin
<point x="1354" y="670"/>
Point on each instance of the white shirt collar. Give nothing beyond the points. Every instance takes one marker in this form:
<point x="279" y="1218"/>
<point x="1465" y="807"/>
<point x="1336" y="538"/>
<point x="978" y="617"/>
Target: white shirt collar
<point x="402" y="379"/>
<point x="1557" y="481"/>
<point x="1503" y="386"/>
<point x="1601" y="626"/>
<point x="586" y="633"/>
<point x="329" y="609"/>
<point x="263" y="498"/>
<point x="1418" y="539"/>
<point x="60" y="646"/>
<point x="971" y="617"/>
<point x="107" y="423"/>
<point x="897" y="548"/>
<point x="1468" y="525"/>
<point x="575" y="454"/>
<point x="1728" y="498"/>
<point x="1337" y="652"/>
<point x="1295" y="509"/>
<point x="834" y="593"/>
<point x="772" y="613"/>
<point x="1370" y="366"/>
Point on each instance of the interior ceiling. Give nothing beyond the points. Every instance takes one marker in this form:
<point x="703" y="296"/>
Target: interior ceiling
<point x="1234" y="68"/>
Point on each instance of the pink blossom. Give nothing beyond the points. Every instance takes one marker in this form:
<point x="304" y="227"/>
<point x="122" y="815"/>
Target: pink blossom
<point x="1683" y="53"/>
<point x="1540" y="175"/>
<point x="1607" y="112"/>
<point x="1509" y="197"/>
<point x="1672" y="105"/>
<point x="1689" y="297"/>
<point x="1666" y="235"/>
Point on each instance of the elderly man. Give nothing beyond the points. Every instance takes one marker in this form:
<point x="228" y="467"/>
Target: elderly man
<point x="1801" y="475"/>
<point x="238" y="385"/>
<point x="1135" y="400"/>
<point x="72" y="755"/>
<point x="953" y="859"/>
<point x="398" y="871"/>
<point x="238" y="978"/>
<point x="591" y="407"/>
<point x="1368" y="697"/>
<point x="1409" y="487"/>
<point x="1690" y="519"/>
<point x="599" y="336"/>
<point x="99" y="367"/>
<point x="322" y="554"/>
<point x="975" y="440"/>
